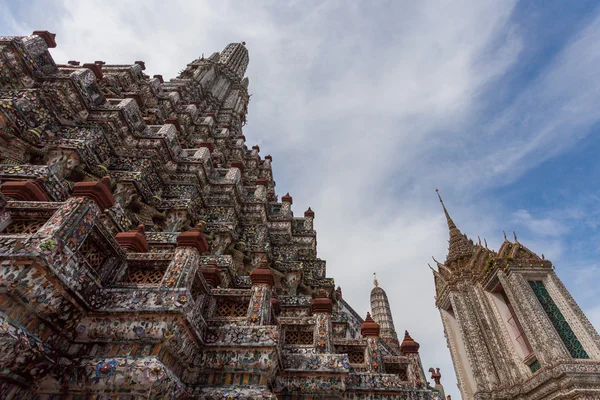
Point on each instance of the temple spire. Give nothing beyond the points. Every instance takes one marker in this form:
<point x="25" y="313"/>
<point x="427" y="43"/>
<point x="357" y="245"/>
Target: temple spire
<point x="459" y="246"/>
<point x="451" y="224"/>
<point x="382" y="314"/>
<point x="235" y="57"/>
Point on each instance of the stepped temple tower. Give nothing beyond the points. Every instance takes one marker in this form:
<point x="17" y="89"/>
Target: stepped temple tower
<point x="382" y="314"/>
<point x="144" y="252"/>
<point x="513" y="329"/>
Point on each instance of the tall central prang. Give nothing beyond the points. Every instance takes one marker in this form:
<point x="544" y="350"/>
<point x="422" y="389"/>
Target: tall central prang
<point x="144" y="252"/>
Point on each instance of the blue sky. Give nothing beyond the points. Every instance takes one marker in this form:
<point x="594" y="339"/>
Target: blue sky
<point x="367" y="107"/>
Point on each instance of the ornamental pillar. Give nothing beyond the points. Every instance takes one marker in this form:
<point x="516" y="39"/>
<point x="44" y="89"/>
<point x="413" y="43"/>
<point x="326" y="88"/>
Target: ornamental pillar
<point x="309" y="216"/>
<point x="321" y="309"/>
<point x="370" y="332"/>
<point x="182" y="270"/>
<point x="410" y="348"/>
<point x="259" y="309"/>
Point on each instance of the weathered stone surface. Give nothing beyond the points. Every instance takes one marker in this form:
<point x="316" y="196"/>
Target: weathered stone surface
<point x="134" y="221"/>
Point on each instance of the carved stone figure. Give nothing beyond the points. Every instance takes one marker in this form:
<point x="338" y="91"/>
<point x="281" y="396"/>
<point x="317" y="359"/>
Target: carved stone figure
<point x="146" y="214"/>
<point x="16" y="151"/>
<point x="435" y="375"/>
<point x="241" y="260"/>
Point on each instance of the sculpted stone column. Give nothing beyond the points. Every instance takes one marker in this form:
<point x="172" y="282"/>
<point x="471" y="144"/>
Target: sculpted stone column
<point x="181" y="271"/>
<point x="321" y="308"/>
<point x="370" y="331"/>
<point x="259" y="309"/>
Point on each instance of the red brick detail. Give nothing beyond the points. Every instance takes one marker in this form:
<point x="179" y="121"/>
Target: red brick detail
<point x="96" y="69"/>
<point x="73" y="62"/>
<point x="287" y="199"/>
<point x="193" y="238"/>
<point x="238" y="164"/>
<point x="141" y="64"/>
<point x="256" y="147"/>
<point x="262" y="182"/>
<point x="24" y="190"/>
<point x="269" y="157"/>
<point x="138" y="99"/>
<point x="369" y="327"/>
<point x="322" y="303"/>
<point x="212" y="276"/>
<point x="212" y="114"/>
<point x="262" y="274"/>
<point x="98" y="191"/>
<point x="309" y="213"/>
<point x="134" y="240"/>
<point x="208" y="145"/>
<point x="48" y="37"/>
<point x="160" y="78"/>
<point x="175" y="122"/>
<point x="408" y="345"/>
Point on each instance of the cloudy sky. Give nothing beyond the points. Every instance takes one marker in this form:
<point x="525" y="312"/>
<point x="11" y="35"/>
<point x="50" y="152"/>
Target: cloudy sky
<point x="367" y="107"/>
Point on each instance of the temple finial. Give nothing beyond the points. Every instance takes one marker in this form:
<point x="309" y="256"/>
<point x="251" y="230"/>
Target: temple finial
<point x="515" y="236"/>
<point x="375" y="281"/>
<point x="451" y="224"/>
<point x="459" y="246"/>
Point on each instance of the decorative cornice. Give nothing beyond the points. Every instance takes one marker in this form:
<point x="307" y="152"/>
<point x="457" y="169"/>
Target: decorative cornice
<point x="409" y="346"/>
<point x="49" y="38"/>
<point x="321" y="303"/>
<point x="262" y="275"/>
<point x="193" y="238"/>
<point x="369" y="327"/>
<point x="30" y="190"/>
<point x="98" y="191"/>
<point x="134" y="240"/>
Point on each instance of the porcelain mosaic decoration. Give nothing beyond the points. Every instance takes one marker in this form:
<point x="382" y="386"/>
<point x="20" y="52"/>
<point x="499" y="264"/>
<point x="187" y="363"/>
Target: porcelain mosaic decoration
<point x="144" y="252"/>
<point x="513" y="329"/>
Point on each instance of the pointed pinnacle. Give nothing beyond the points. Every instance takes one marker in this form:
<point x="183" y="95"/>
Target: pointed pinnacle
<point x="441" y="266"/>
<point x="451" y="224"/>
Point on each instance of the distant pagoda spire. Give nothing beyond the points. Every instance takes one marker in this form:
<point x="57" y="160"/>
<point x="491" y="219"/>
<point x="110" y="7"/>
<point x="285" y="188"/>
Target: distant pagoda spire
<point x="459" y="246"/>
<point x="382" y="314"/>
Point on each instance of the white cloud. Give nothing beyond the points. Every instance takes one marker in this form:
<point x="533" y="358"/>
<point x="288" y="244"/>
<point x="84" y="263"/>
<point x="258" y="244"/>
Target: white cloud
<point x="366" y="108"/>
<point x="538" y="226"/>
